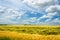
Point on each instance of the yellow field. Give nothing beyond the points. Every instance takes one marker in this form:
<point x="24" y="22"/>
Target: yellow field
<point x="23" y="36"/>
<point x="29" y="32"/>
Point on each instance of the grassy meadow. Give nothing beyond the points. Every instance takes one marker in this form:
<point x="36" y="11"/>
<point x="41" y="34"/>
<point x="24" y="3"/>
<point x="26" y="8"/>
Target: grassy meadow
<point x="29" y="32"/>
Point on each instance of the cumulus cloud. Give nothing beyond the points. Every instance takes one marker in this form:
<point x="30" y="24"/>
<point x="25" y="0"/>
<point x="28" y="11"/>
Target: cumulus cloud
<point x="31" y="20"/>
<point x="2" y="9"/>
<point x="23" y="10"/>
<point x="57" y="20"/>
<point x="14" y="13"/>
<point x="40" y="4"/>
<point x="52" y="11"/>
<point x="16" y="2"/>
<point x="12" y="3"/>
<point x="53" y="8"/>
<point x="10" y="14"/>
<point x="49" y="15"/>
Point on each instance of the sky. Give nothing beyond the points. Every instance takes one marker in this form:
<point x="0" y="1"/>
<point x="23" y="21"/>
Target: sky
<point x="30" y="12"/>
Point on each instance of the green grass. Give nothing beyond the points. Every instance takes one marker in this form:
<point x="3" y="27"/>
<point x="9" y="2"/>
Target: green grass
<point x="32" y="30"/>
<point x="5" y="38"/>
<point x="8" y="38"/>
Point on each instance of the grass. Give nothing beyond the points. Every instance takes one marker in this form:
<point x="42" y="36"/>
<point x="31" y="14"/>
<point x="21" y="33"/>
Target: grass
<point x="29" y="32"/>
<point x="5" y="38"/>
<point x="32" y="30"/>
<point x="7" y="35"/>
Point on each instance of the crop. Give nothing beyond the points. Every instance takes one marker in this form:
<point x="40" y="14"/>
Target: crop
<point x="29" y="32"/>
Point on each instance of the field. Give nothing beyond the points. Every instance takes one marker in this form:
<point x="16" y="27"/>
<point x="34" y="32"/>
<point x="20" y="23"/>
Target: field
<point x="29" y="32"/>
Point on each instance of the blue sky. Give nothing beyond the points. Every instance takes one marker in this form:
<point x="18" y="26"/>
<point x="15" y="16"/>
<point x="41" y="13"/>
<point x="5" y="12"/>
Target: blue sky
<point x="30" y="12"/>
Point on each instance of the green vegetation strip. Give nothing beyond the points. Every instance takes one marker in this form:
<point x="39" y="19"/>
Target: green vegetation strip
<point x="32" y="30"/>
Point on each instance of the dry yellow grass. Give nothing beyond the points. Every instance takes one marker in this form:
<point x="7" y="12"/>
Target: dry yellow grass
<point x="23" y="36"/>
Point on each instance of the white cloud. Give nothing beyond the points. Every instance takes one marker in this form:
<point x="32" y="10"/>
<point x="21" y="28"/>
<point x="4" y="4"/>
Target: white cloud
<point x="53" y="8"/>
<point x="10" y="14"/>
<point x="17" y="2"/>
<point x="14" y="13"/>
<point x="40" y="4"/>
<point x="51" y="12"/>
<point x="2" y="8"/>
<point x="49" y="15"/>
<point x="32" y="20"/>
<point x="12" y="3"/>
<point x="50" y="21"/>
<point x="57" y="20"/>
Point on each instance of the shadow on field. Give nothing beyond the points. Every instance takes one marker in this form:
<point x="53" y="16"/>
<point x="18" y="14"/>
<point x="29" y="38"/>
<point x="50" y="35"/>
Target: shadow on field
<point x="5" y="38"/>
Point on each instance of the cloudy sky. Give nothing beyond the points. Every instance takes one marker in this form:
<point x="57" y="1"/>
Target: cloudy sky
<point x="30" y="12"/>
